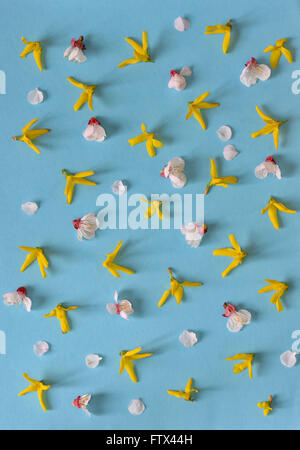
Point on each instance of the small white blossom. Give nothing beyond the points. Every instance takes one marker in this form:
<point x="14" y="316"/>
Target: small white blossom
<point x="266" y="168"/>
<point x="253" y="72"/>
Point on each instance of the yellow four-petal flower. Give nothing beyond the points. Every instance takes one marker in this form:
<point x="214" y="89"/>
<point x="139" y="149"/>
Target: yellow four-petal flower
<point x="186" y="394"/>
<point x="271" y="127"/>
<point x="197" y="105"/>
<point x="272" y="208"/>
<point x="29" y="135"/>
<point x="221" y="29"/>
<point x="151" y="142"/>
<point x="140" y="52"/>
<point x="34" y="47"/>
<point x="247" y="364"/>
<point x="276" y="51"/>
<point x="35" y="386"/>
<point x="277" y="286"/>
<point x="176" y="289"/>
<point x="126" y="361"/>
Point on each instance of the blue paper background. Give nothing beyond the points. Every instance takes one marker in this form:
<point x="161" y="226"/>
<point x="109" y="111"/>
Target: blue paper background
<point x="124" y="99"/>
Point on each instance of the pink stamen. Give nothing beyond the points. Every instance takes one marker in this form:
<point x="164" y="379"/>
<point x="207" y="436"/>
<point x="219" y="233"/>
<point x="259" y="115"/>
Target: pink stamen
<point x="78" y="43"/>
<point x="76" y="402"/>
<point x="270" y="159"/>
<point x="251" y="62"/>
<point x="76" y="223"/>
<point x="162" y="173"/>
<point x="173" y="73"/>
<point x="229" y="309"/>
<point x="94" y="121"/>
<point x="22" y="291"/>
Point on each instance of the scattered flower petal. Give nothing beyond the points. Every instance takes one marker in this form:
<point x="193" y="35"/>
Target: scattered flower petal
<point x="40" y="348"/>
<point x="267" y="167"/>
<point x="230" y="152"/>
<point x="188" y="338"/>
<point x="35" y="97"/>
<point x="30" y="208"/>
<point x="136" y="407"/>
<point x="181" y="24"/>
<point x="92" y="360"/>
<point x="119" y="187"/>
<point x="288" y="358"/>
<point x="224" y="133"/>
<point x="186" y="71"/>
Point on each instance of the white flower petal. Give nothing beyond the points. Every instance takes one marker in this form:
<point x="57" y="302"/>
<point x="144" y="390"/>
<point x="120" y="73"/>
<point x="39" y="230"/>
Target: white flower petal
<point x="186" y="71"/>
<point x="177" y="163"/>
<point x="76" y="55"/>
<point x="224" y="133"/>
<point x="234" y="324"/>
<point x="261" y="171"/>
<point x="94" y="133"/>
<point x="27" y="303"/>
<point x="30" y="208"/>
<point x="195" y="242"/>
<point x="136" y="407"/>
<point x="288" y="358"/>
<point x="266" y="168"/>
<point x="181" y="24"/>
<point x="248" y="77"/>
<point x="245" y="316"/>
<point x="278" y="172"/>
<point x="118" y="187"/>
<point x="126" y="306"/>
<point x="177" y="82"/>
<point x="67" y="51"/>
<point x="230" y="152"/>
<point x="111" y="308"/>
<point x="178" y="180"/>
<point x="193" y="234"/>
<point x="40" y="348"/>
<point x="188" y="228"/>
<point x="254" y="72"/>
<point x="188" y="338"/>
<point x="11" y="298"/>
<point x="92" y="360"/>
<point x="263" y="72"/>
<point x="35" y="97"/>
